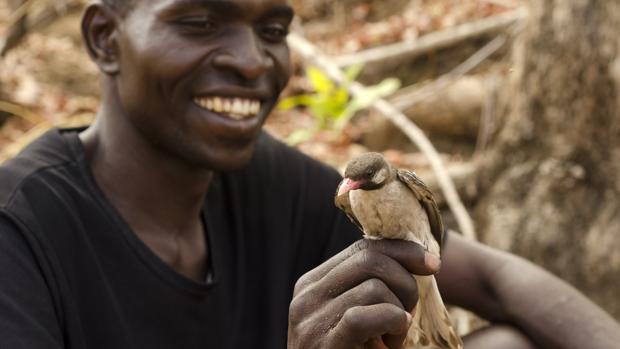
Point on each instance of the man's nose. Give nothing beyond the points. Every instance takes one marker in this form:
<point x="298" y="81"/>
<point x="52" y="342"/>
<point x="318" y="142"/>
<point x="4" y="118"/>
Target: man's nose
<point x="245" y="55"/>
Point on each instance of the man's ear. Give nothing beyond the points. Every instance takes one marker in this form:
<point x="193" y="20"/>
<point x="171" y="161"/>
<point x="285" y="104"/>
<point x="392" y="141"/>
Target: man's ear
<point x="100" y="34"/>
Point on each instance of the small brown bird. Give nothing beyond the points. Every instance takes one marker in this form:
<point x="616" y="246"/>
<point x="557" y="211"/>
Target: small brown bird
<point x="390" y="203"/>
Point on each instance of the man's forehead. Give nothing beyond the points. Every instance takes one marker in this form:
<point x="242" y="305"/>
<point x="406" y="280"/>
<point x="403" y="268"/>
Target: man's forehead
<point x="239" y="3"/>
<point x="252" y="8"/>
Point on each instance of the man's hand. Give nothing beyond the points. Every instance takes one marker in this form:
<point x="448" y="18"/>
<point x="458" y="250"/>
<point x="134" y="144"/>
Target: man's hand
<point x="360" y="298"/>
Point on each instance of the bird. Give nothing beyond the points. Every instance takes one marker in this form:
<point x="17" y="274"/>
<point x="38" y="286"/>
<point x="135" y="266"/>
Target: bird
<point x="390" y="203"/>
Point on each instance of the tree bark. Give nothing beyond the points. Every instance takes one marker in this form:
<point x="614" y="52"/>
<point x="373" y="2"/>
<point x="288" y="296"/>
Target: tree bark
<point x="551" y="180"/>
<point x="16" y="31"/>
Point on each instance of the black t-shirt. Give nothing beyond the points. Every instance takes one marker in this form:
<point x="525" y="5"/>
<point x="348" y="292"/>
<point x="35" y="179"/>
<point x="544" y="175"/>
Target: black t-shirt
<point x="74" y="275"/>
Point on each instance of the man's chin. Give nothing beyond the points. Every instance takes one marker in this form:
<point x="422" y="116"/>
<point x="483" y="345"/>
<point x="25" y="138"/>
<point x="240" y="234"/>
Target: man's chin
<point x="228" y="161"/>
<point x="232" y="165"/>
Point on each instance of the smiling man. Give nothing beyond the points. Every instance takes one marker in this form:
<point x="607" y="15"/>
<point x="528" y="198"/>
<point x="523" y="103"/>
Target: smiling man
<point x="175" y="222"/>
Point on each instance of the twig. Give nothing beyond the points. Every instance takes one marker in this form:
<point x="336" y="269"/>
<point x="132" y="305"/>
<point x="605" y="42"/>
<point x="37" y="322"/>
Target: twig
<point x="406" y="99"/>
<point x="310" y="53"/>
<point x="487" y="118"/>
<point x="502" y="3"/>
<point x="19" y="13"/>
<point x="430" y="42"/>
<point x="19" y="111"/>
<point x="18" y="26"/>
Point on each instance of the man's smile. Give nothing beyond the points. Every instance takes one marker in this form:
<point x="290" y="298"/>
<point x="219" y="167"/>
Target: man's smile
<point x="207" y="102"/>
<point x="236" y="108"/>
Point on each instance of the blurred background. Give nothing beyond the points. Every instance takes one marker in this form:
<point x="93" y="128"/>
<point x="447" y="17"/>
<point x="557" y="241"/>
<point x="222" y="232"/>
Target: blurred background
<point x="518" y="98"/>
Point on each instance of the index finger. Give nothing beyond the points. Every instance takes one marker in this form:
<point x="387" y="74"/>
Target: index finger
<point x="409" y="254"/>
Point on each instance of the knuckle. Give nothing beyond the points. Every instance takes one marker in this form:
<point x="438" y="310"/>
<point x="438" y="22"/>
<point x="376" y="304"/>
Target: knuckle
<point x="395" y="317"/>
<point x="366" y="259"/>
<point x="363" y="258"/>
<point x="371" y="263"/>
<point x="301" y="307"/>
<point x="302" y="283"/>
<point x="299" y="334"/>
<point x="360" y="245"/>
<point x="376" y="290"/>
<point x="296" y="307"/>
<point x="351" y="321"/>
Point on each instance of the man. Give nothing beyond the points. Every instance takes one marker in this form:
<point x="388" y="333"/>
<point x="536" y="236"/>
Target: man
<point x="174" y="222"/>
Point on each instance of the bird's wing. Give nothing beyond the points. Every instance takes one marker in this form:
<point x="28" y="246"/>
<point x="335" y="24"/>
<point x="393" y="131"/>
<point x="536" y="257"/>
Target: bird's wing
<point x="342" y="202"/>
<point x="425" y="196"/>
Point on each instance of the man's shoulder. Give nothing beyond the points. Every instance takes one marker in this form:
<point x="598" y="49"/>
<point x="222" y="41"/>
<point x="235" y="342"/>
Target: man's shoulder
<point x="33" y="167"/>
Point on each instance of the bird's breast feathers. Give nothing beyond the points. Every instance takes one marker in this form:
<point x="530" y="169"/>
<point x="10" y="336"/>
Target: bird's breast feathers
<point x="392" y="212"/>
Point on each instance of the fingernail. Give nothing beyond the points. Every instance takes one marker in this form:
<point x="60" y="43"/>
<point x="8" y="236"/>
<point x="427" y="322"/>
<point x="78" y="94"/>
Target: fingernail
<point x="432" y="262"/>
<point x="409" y="319"/>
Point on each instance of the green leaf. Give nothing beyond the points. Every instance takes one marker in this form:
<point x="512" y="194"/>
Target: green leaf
<point x="369" y="95"/>
<point x="341" y="96"/>
<point x="384" y="88"/>
<point x="353" y="72"/>
<point x="323" y="111"/>
<point x="321" y="83"/>
<point x="295" y="101"/>
<point x="299" y="136"/>
<point x="332" y="105"/>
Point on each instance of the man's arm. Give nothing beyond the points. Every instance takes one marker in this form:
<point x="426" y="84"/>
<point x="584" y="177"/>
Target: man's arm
<point x="27" y="315"/>
<point x="504" y="288"/>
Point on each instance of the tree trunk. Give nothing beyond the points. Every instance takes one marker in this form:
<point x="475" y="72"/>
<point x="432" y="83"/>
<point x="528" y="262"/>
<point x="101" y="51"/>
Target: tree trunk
<point x="551" y="184"/>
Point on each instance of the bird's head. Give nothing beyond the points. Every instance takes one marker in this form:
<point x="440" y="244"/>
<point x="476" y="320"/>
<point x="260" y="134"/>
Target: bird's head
<point x="367" y="172"/>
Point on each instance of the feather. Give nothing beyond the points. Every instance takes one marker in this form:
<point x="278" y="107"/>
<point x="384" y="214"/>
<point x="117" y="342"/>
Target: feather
<point x="427" y="200"/>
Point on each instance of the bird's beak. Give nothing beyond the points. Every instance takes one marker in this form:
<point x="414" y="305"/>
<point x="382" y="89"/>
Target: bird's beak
<point x="347" y="185"/>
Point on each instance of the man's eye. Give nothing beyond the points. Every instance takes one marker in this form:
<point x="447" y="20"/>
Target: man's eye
<point x="274" y="33"/>
<point x="200" y="22"/>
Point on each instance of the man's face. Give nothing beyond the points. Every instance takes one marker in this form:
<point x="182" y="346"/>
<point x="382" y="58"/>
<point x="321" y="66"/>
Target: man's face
<point x="199" y="77"/>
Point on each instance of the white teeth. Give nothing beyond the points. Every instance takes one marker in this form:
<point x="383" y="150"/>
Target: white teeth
<point x="234" y="108"/>
<point x="237" y="107"/>
<point x="217" y="105"/>
<point x="245" y="107"/>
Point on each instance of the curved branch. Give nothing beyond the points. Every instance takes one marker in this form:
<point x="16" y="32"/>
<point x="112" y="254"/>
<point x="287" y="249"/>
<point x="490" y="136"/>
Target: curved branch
<point x="310" y="53"/>
<point x="19" y="111"/>
<point x="407" y="50"/>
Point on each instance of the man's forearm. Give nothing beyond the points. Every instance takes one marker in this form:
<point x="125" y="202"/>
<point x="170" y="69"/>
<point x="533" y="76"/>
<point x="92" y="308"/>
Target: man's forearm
<point x="498" y="336"/>
<point x="506" y="289"/>
<point x="551" y="312"/>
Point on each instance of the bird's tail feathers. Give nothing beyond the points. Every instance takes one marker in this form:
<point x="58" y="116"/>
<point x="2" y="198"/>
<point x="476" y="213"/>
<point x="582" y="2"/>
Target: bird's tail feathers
<point x="431" y="325"/>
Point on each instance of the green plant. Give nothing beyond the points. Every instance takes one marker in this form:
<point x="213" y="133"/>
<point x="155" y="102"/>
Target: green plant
<point x="331" y="104"/>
